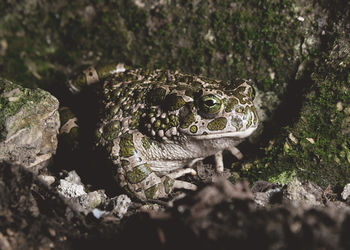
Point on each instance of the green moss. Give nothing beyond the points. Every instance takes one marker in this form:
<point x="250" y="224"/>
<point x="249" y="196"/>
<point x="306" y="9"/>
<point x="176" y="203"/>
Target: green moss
<point x="21" y="98"/>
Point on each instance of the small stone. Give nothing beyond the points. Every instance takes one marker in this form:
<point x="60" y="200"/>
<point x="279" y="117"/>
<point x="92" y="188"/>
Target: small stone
<point x="347" y="110"/>
<point x="70" y="190"/>
<point x="74" y="178"/>
<point x="346" y="192"/>
<point x="292" y="138"/>
<point x="47" y="179"/>
<point x="312" y="141"/>
<point x="301" y="19"/>
<point x="98" y="213"/>
<point x="121" y="206"/>
<point x="92" y="199"/>
<point x="339" y="106"/>
<point x="286" y="147"/>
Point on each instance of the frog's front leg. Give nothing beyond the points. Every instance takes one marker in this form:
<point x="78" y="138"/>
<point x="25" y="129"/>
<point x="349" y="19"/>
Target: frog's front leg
<point x="219" y="161"/>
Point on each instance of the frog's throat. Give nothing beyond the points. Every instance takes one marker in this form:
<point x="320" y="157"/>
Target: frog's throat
<point x="236" y="134"/>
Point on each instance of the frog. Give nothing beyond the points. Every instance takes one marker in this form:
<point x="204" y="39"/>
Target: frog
<point x="157" y="124"/>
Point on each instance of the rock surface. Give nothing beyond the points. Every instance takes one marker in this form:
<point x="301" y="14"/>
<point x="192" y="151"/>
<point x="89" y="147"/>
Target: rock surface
<point x="219" y="216"/>
<point x="29" y="123"/>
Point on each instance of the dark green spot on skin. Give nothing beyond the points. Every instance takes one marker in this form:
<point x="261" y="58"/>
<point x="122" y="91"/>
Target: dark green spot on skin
<point x="156" y="96"/>
<point x="128" y="191"/>
<point x="187" y="120"/>
<point x="79" y="82"/>
<point x="230" y="104"/>
<point x="157" y="124"/>
<point x="150" y="192"/>
<point x="127" y="147"/>
<point x="173" y="102"/>
<point x="168" y="184"/>
<point x="193" y="129"/>
<point x="138" y="173"/>
<point x="217" y="124"/>
<point x="174" y="121"/>
<point x="104" y="70"/>
<point x="124" y="163"/>
<point x="111" y="130"/>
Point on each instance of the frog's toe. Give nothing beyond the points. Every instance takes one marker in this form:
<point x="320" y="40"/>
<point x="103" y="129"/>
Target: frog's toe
<point x="181" y="172"/>
<point x="194" y="161"/>
<point x="235" y="151"/>
<point x="184" y="185"/>
<point x="219" y="162"/>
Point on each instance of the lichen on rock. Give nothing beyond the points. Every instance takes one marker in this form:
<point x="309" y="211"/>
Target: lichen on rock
<point x="29" y="123"/>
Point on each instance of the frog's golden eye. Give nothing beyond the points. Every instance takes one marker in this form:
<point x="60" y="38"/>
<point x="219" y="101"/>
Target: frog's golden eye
<point x="210" y="104"/>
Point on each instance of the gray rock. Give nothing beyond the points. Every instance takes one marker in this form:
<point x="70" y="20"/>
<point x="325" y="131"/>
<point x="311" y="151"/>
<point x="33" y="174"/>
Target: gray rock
<point x="70" y="189"/>
<point x="91" y="200"/>
<point x="29" y="123"/>
<point x="295" y="191"/>
<point x="121" y="205"/>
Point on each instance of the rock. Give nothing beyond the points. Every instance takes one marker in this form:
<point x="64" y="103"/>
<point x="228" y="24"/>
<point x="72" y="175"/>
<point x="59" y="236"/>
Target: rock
<point x="47" y="179"/>
<point x="70" y="189"/>
<point x="295" y="191"/>
<point x="267" y="198"/>
<point x="346" y="192"/>
<point x="121" y="205"/>
<point x="92" y="200"/>
<point x="29" y="123"/>
<point x="71" y="186"/>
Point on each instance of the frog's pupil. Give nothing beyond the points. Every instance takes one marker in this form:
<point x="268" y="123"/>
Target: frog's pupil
<point x="90" y="73"/>
<point x="210" y="102"/>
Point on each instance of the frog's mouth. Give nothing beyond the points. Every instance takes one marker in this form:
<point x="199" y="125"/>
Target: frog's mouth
<point x="233" y="134"/>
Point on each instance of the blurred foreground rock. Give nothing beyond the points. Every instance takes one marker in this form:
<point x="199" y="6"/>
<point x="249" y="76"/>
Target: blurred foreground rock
<point x="219" y="216"/>
<point x="29" y="123"/>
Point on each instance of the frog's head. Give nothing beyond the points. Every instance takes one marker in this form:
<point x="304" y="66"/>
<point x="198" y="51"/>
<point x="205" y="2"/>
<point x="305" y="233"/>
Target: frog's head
<point x="204" y="110"/>
<point x="220" y="113"/>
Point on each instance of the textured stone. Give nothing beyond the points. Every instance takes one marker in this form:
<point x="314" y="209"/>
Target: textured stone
<point x="29" y="123"/>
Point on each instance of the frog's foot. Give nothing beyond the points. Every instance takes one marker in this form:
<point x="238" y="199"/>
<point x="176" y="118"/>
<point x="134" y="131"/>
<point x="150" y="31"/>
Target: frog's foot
<point x="235" y="151"/>
<point x="194" y="161"/>
<point x="183" y="184"/>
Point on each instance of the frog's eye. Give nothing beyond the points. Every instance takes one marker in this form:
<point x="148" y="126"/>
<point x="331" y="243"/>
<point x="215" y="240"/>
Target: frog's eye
<point x="210" y="104"/>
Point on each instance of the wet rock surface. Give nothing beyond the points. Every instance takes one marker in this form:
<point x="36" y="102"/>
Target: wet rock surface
<point x="29" y="123"/>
